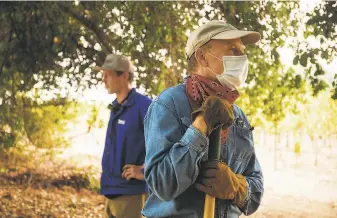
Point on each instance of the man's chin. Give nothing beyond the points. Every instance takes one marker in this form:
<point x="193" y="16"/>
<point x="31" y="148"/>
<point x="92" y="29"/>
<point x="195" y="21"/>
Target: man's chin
<point x="111" y="92"/>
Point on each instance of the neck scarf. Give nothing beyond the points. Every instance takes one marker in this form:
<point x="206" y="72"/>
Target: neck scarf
<point x="198" y="88"/>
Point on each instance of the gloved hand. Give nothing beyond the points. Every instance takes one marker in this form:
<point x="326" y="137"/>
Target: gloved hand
<point x="216" y="112"/>
<point x="217" y="180"/>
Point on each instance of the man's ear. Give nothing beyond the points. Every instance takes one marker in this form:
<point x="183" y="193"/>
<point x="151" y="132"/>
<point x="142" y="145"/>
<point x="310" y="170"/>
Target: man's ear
<point x="126" y="75"/>
<point x="200" y="56"/>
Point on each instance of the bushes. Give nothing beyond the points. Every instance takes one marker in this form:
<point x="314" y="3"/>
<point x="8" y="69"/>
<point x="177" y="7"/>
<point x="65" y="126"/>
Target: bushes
<point x="30" y="123"/>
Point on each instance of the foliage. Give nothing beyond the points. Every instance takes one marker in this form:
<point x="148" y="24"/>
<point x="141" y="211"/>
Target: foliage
<point x="43" y="125"/>
<point x="297" y="148"/>
<point x="46" y="125"/>
<point x="93" y="119"/>
<point x="35" y="38"/>
<point x="321" y="25"/>
<point x="53" y="45"/>
<point x="30" y="50"/>
<point x="316" y="119"/>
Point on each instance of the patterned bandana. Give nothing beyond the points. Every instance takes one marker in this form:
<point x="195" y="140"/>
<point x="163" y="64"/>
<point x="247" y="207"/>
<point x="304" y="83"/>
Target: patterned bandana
<point x="198" y="88"/>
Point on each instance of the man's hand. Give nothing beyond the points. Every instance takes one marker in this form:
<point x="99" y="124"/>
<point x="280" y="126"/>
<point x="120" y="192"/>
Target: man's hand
<point x="200" y="124"/>
<point x="132" y="171"/>
<point x="217" y="180"/>
<point x="213" y="113"/>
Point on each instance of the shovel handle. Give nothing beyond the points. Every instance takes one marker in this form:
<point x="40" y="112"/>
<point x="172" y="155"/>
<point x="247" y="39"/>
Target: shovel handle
<point x="213" y="154"/>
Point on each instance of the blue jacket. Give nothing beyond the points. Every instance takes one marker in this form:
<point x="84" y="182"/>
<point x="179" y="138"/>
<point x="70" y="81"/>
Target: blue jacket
<point x="124" y="144"/>
<point x="174" y="150"/>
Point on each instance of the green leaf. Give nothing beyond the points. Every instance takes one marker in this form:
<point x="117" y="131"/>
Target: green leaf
<point x="303" y="60"/>
<point x="295" y="61"/>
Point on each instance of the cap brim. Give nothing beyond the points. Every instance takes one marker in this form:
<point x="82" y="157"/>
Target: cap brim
<point x="97" y="68"/>
<point x="247" y="37"/>
<point x="100" y="68"/>
<point x="103" y="68"/>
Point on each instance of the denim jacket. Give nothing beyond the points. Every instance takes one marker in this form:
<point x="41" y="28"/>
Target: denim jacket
<point x="174" y="150"/>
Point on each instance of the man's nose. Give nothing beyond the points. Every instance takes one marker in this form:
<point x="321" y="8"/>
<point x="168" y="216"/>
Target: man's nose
<point x="239" y="52"/>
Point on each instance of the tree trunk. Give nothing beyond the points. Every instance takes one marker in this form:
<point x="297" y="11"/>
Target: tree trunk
<point x="315" y="148"/>
<point x="275" y="147"/>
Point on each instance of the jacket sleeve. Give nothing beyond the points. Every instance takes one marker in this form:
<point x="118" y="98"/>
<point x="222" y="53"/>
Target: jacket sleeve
<point x="254" y="177"/>
<point x="172" y="155"/>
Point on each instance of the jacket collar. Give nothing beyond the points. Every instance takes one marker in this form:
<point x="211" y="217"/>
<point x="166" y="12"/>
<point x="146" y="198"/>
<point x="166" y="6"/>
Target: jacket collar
<point x="130" y="99"/>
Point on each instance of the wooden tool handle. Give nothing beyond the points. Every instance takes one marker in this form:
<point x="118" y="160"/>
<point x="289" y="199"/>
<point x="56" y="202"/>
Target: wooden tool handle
<point x="213" y="154"/>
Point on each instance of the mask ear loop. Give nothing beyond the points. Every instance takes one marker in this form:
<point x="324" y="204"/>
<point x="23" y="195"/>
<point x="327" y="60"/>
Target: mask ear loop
<point x="223" y="66"/>
<point x="195" y="56"/>
<point x="220" y="59"/>
<point x="214" y="56"/>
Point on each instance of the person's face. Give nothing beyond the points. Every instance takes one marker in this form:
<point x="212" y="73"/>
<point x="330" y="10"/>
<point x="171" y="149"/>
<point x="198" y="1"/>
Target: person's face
<point x="220" y="48"/>
<point x="113" y="83"/>
<point x="211" y="56"/>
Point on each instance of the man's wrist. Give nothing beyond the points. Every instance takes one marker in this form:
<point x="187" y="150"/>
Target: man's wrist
<point x="200" y="124"/>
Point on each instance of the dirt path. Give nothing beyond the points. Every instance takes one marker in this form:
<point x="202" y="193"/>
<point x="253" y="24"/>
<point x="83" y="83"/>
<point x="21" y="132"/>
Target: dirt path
<point x="66" y="201"/>
<point x="16" y="201"/>
<point x="55" y="191"/>
<point x="276" y="206"/>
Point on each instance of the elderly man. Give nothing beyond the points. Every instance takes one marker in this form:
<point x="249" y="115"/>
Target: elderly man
<point x="180" y="120"/>
<point x="122" y="180"/>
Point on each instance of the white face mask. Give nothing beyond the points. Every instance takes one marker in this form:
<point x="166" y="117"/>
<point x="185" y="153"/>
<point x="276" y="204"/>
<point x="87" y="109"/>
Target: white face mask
<point x="235" y="71"/>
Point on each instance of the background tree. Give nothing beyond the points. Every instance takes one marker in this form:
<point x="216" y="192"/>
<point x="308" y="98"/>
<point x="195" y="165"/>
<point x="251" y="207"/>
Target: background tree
<point x="320" y="25"/>
<point x="52" y="46"/>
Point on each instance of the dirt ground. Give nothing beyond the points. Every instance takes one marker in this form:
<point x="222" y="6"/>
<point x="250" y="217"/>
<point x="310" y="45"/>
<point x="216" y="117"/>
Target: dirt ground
<point x="292" y="191"/>
<point x="42" y="188"/>
<point x="57" y="190"/>
<point x="276" y="206"/>
<point x="20" y="200"/>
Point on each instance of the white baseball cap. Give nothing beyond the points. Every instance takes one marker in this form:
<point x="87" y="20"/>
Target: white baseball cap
<point x="218" y="30"/>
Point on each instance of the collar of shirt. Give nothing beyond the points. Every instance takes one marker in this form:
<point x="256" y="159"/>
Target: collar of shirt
<point x="129" y="101"/>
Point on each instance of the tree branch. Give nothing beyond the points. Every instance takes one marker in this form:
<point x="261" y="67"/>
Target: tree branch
<point x="7" y="51"/>
<point x="103" y="38"/>
<point x="219" y="4"/>
<point x="25" y="120"/>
